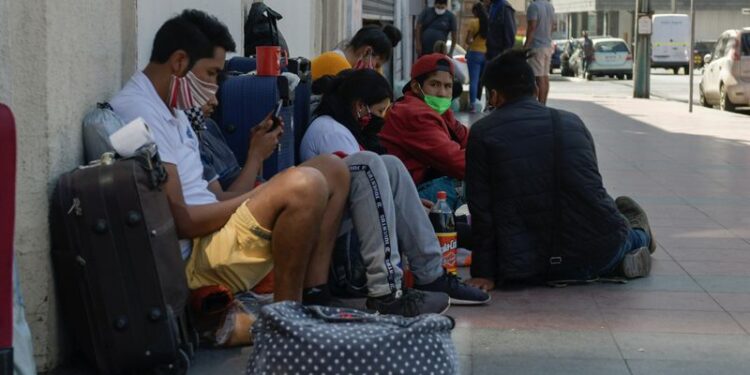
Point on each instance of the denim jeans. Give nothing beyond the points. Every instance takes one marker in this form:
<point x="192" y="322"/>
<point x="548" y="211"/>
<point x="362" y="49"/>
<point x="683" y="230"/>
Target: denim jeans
<point x="451" y="186"/>
<point x="475" y="61"/>
<point x="636" y="239"/>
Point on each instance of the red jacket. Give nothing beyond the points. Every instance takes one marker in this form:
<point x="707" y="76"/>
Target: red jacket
<point x="430" y="145"/>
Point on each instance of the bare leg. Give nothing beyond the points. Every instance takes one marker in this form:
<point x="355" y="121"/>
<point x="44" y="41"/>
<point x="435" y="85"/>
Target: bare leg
<point x="542" y="83"/>
<point x="336" y="174"/>
<point x="292" y="206"/>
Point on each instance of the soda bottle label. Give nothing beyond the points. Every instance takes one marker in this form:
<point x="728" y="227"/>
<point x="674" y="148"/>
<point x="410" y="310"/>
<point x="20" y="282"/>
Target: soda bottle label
<point x="449" y="247"/>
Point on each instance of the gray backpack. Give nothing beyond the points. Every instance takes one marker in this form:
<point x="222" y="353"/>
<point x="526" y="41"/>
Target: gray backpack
<point x="98" y="125"/>
<point x="291" y="338"/>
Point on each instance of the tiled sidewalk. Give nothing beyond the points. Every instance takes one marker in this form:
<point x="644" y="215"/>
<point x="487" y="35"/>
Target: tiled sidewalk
<point x="692" y="316"/>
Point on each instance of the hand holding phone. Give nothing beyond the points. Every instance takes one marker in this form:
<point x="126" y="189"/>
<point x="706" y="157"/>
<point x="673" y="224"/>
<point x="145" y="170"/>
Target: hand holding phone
<point x="275" y="117"/>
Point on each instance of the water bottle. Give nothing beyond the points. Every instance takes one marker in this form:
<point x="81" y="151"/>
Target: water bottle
<point x="444" y="224"/>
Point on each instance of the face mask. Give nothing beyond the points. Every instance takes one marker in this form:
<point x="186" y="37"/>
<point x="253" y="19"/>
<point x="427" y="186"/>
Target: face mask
<point x="364" y="120"/>
<point x="365" y="62"/>
<point x="440" y="12"/>
<point x="439" y="104"/>
<point x="189" y="91"/>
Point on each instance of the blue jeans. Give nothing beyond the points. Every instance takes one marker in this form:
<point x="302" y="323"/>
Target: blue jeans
<point x="636" y="239"/>
<point x="475" y="61"/>
<point x="451" y="186"/>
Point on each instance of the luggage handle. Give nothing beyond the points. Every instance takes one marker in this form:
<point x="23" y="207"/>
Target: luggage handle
<point x="147" y="156"/>
<point x="356" y="316"/>
<point x="341" y="315"/>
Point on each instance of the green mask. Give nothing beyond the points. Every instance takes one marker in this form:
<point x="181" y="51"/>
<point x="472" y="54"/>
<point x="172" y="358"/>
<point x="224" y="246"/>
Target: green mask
<point x="439" y="104"/>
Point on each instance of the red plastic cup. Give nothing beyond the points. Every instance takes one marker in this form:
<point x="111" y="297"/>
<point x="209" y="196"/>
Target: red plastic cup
<point x="269" y="60"/>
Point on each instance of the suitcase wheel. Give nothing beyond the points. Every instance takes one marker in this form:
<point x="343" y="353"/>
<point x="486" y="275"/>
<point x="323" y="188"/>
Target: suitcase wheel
<point x="179" y="367"/>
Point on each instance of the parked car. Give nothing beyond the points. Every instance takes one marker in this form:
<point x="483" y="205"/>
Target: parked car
<point x="612" y="57"/>
<point x="726" y="75"/>
<point x="555" y="60"/>
<point x="670" y="42"/>
<point x="568" y="49"/>
<point x="702" y="48"/>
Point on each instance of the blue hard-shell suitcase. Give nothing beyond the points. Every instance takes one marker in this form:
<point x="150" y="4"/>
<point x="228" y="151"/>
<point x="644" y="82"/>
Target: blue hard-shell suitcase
<point x="301" y="96"/>
<point x="240" y="64"/>
<point x="246" y="100"/>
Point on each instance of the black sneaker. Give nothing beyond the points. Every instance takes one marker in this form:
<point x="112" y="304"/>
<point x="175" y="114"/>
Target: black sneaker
<point x="636" y="217"/>
<point x="409" y="303"/>
<point x="460" y="293"/>
<point x="636" y="263"/>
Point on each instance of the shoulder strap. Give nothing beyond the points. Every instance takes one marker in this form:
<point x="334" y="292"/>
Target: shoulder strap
<point x="555" y="256"/>
<point x="432" y="20"/>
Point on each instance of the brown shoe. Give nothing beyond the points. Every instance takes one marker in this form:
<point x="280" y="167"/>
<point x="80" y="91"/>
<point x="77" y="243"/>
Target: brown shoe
<point x="636" y="217"/>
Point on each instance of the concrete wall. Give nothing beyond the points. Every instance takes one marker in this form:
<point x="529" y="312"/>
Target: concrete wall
<point x="709" y="24"/>
<point x="299" y="25"/>
<point x="58" y="58"/>
<point x="153" y="13"/>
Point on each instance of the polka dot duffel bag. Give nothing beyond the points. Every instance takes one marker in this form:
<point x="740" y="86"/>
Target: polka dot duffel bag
<point x="295" y="339"/>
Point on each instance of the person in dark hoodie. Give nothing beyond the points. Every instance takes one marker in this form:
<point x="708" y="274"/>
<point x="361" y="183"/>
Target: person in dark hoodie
<point x="501" y="35"/>
<point x="420" y="129"/>
<point x="538" y="205"/>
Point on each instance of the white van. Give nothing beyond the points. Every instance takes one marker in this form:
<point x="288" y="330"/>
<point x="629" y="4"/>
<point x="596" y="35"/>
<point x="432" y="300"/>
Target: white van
<point x="670" y="42"/>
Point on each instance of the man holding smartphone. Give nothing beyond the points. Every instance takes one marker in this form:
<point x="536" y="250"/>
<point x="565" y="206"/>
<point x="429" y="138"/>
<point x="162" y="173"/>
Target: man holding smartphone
<point x="235" y="236"/>
<point x="219" y="162"/>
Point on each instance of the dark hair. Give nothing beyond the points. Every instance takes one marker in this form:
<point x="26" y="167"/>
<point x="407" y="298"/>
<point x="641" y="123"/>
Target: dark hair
<point x="510" y="74"/>
<point x="340" y="93"/>
<point x="393" y="33"/>
<point x="441" y="2"/>
<point x="480" y="12"/>
<point x="216" y="32"/>
<point x="180" y="33"/>
<point x="375" y="37"/>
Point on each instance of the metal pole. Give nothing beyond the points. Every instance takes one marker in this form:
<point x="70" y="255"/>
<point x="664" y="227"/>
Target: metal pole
<point x="674" y="6"/>
<point x="642" y="84"/>
<point x="692" y="46"/>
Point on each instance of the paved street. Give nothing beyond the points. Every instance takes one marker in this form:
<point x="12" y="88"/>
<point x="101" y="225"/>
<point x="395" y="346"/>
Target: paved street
<point x="664" y="85"/>
<point x="691" y="172"/>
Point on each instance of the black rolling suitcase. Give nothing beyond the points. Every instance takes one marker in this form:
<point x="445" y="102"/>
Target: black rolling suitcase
<point x="120" y="274"/>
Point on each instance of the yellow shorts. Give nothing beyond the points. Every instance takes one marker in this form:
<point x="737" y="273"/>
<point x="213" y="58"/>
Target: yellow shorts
<point x="237" y="256"/>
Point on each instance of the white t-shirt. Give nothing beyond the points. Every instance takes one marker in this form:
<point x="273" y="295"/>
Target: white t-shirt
<point x="174" y="137"/>
<point x="327" y="136"/>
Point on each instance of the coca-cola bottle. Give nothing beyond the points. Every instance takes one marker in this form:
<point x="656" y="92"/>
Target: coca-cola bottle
<point x="444" y="224"/>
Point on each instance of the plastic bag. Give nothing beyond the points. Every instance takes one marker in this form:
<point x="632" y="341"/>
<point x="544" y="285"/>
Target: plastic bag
<point x="98" y="125"/>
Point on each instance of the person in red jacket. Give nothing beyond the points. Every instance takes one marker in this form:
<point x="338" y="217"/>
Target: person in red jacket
<point x="420" y="129"/>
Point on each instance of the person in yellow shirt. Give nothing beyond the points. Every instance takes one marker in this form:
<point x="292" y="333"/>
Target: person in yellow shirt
<point x="476" y="39"/>
<point x="371" y="47"/>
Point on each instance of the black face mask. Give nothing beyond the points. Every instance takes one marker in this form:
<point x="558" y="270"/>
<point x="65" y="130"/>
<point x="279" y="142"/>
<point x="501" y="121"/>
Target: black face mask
<point x="370" y="140"/>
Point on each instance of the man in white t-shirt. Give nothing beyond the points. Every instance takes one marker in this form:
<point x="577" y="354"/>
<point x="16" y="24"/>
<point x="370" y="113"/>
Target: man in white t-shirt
<point x="288" y="224"/>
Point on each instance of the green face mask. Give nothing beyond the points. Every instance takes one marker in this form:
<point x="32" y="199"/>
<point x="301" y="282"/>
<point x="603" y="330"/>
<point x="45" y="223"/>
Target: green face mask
<point x="439" y="104"/>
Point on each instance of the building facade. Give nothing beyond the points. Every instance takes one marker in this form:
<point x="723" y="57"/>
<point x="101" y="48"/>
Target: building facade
<point x="615" y="17"/>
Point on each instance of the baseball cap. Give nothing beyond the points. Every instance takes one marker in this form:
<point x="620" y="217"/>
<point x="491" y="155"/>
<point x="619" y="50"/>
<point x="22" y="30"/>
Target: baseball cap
<point x="428" y="64"/>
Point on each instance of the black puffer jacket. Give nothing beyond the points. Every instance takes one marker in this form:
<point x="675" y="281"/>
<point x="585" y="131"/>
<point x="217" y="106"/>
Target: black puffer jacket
<point x="510" y="188"/>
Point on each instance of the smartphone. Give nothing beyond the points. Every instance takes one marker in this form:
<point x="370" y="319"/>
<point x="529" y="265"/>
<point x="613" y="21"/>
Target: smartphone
<point x="275" y="117"/>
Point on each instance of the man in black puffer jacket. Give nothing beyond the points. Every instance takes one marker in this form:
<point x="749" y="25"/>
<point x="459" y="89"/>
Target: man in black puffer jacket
<point x="538" y="205"/>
